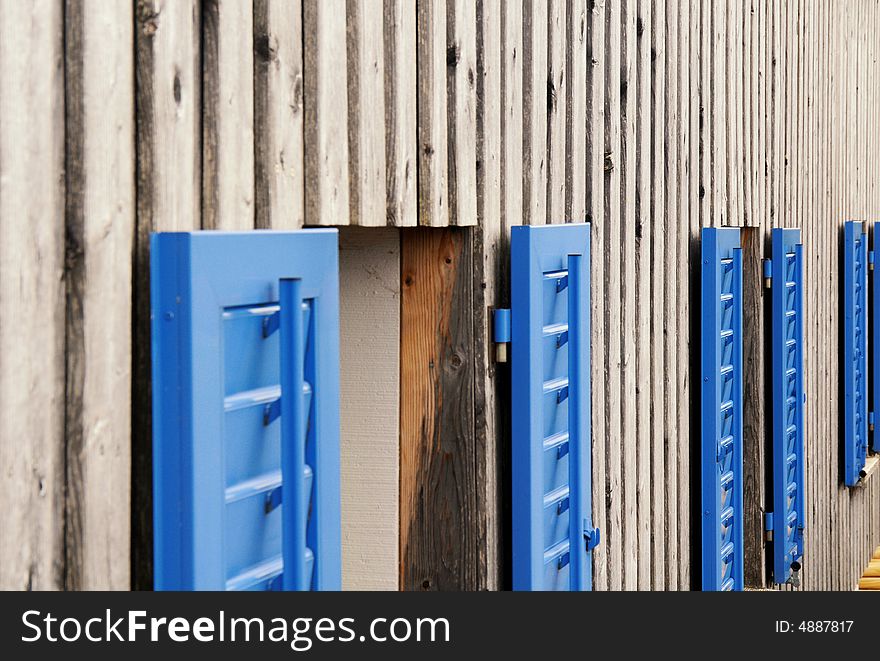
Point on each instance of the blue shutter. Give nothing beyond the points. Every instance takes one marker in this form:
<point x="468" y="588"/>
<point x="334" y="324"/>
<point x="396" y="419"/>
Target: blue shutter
<point x="875" y="330"/>
<point x="552" y="505"/>
<point x="245" y="477"/>
<point x="855" y="350"/>
<point x="788" y="401"/>
<point x="721" y="410"/>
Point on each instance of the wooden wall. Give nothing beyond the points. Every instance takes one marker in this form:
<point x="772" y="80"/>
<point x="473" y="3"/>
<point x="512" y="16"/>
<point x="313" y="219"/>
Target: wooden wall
<point x="649" y="118"/>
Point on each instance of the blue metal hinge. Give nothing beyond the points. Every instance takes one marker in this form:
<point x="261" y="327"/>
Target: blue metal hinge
<point x="768" y="526"/>
<point x="870" y="260"/>
<point x="501" y="333"/>
<point x="871" y="421"/>
<point x="593" y="537"/>
<point x="768" y="273"/>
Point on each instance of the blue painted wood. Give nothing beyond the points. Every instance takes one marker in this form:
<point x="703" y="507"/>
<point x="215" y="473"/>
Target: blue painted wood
<point x="875" y="330"/>
<point x="551" y="441"/>
<point x="721" y="410"/>
<point x="855" y="351"/>
<point x="787" y="361"/>
<point x="240" y="319"/>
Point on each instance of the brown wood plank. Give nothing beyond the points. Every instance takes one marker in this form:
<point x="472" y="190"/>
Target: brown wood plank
<point x="755" y="418"/>
<point x="442" y="535"/>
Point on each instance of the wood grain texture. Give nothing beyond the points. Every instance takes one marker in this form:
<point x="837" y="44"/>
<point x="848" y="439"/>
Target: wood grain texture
<point x="535" y="90"/>
<point x="442" y="535"/>
<point x="99" y="221"/>
<point x="326" y="113"/>
<point x="433" y="191"/>
<point x="366" y="114"/>
<point x="490" y="286"/>
<point x="369" y="329"/>
<point x="227" y="115"/>
<point x="756" y="423"/>
<point x="278" y="115"/>
<point x="400" y="109"/>
<point x="461" y="87"/>
<point x="168" y="123"/>
<point x="32" y="306"/>
<point x="557" y="102"/>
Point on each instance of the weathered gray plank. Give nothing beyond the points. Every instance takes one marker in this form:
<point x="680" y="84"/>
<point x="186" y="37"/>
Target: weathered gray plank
<point x="278" y="115"/>
<point x="168" y="120"/>
<point x="400" y="110"/>
<point x="326" y="113"/>
<point x="227" y="115"/>
<point x="433" y="193"/>
<point x="595" y="129"/>
<point x="366" y="114"/>
<point x="31" y="295"/>
<point x="577" y="57"/>
<point x="99" y="228"/>
<point x="557" y="110"/>
<point x="461" y="85"/>
<point x="534" y="112"/>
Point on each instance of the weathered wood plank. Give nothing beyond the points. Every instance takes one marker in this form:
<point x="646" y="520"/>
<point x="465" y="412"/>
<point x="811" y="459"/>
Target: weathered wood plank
<point x="534" y="112"/>
<point x="366" y="114"/>
<point x="99" y="230"/>
<point x="595" y="129"/>
<point x="681" y="236"/>
<point x="614" y="540"/>
<point x="433" y="193"/>
<point x="461" y="85"/>
<point x="658" y="289"/>
<point x="168" y="102"/>
<point x="557" y="110"/>
<point x="670" y="278"/>
<point x="400" y="111"/>
<point x="32" y="309"/>
<point x="326" y="113"/>
<point x="628" y="250"/>
<point x="491" y="255"/>
<point x="369" y="325"/>
<point x="442" y="535"/>
<point x="278" y="115"/>
<point x="227" y="115"/>
<point x="643" y="232"/>
<point x="576" y="165"/>
<point x="755" y="418"/>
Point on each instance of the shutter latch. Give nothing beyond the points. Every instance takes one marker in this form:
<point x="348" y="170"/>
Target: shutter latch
<point x="870" y="260"/>
<point x="768" y="273"/>
<point x="768" y="526"/>
<point x="501" y="333"/>
<point x="871" y="421"/>
<point x="592" y="536"/>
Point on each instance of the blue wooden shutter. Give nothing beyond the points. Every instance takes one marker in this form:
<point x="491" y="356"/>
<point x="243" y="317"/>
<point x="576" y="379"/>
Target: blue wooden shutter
<point x="788" y="401"/>
<point x="246" y="478"/>
<point x="550" y="317"/>
<point x="875" y="330"/>
<point x="721" y="410"/>
<point x="855" y="350"/>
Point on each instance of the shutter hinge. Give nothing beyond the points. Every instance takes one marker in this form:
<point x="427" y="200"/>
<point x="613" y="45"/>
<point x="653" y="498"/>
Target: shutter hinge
<point x="593" y="536"/>
<point x="870" y="260"/>
<point x="871" y="421"/>
<point x="768" y="273"/>
<point x="768" y="526"/>
<point x="501" y="333"/>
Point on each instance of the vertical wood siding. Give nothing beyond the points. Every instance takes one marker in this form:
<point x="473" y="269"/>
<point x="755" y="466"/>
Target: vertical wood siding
<point x="649" y="118"/>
